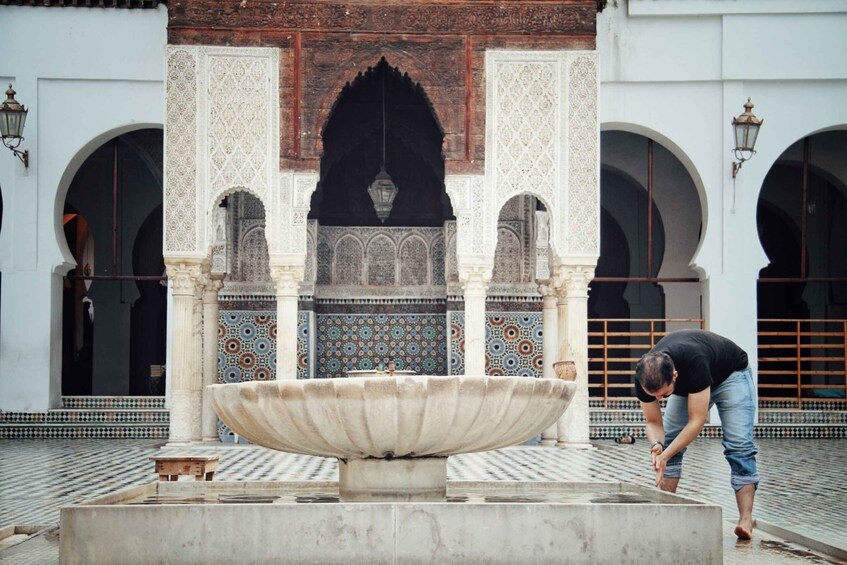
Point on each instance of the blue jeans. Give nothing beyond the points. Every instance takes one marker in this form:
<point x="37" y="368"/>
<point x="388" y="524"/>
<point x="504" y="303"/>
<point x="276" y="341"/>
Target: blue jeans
<point x="736" y="402"/>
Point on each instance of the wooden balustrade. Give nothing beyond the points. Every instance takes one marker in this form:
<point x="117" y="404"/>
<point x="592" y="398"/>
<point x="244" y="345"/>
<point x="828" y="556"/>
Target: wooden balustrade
<point x="798" y="360"/>
<point x="802" y="360"/>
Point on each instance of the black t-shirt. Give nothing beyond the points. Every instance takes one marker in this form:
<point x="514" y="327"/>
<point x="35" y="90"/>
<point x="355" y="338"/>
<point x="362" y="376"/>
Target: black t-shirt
<point x="702" y="359"/>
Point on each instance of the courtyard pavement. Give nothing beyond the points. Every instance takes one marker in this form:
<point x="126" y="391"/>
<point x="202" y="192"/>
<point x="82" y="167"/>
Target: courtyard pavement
<point x="802" y="490"/>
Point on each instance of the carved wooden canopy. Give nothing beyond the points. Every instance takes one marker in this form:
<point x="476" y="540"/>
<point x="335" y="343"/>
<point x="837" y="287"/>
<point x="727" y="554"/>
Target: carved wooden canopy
<point x="440" y="45"/>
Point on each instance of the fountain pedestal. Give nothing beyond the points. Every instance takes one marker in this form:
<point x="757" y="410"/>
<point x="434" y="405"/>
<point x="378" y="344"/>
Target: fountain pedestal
<point x="380" y="480"/>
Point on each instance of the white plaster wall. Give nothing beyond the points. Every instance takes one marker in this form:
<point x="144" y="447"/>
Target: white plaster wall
<point x="682" y="69"/>
<point x="86" y="75"/>
<point x="677" y="70"/>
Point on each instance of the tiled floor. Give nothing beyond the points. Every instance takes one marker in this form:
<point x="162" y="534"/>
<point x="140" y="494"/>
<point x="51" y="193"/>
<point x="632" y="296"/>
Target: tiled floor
<point x="802" y="489"/>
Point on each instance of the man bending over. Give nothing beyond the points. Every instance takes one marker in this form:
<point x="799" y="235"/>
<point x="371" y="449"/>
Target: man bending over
<point x="695" y="369"/>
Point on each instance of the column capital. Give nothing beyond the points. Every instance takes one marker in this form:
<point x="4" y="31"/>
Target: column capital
<point x="287" y="279"/>
<point x="475" y="272"/>
<point x="184" y="275"/>
<point x="548" y="287"/>
<point x="475" y="279"/>
<point x="574" y="280"/>
<point x="212" y="286"/>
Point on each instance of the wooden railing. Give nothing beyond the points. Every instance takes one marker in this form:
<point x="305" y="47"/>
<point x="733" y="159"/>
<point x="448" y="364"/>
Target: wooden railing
<point x="799" y="360"/>
<point x="616" y="345"/>
<point x="802" y="360"/>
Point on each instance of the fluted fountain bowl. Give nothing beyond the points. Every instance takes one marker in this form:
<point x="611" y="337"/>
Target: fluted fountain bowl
<point x="386" y="418"/>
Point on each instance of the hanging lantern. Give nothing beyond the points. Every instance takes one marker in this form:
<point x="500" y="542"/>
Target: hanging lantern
<point x="383" y="190"/>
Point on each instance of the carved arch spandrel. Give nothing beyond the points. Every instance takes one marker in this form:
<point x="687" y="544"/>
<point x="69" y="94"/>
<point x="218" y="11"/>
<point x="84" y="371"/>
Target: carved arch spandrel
<point x="436" y="70"/>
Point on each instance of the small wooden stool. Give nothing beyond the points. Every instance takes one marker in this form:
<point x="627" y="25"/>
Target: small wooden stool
<point x="170" y="467"/>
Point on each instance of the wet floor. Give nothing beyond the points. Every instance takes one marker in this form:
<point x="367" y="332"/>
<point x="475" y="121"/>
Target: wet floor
<point x="802" y="483"/>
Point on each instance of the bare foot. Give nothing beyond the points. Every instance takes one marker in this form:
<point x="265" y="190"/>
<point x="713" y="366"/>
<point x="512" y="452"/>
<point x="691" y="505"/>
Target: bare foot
<point x="744" y="532"/>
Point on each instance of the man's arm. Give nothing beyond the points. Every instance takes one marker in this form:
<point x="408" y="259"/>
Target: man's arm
<point x="698" y="409"/>
<point x="654" y="428"/>
<point x="653" y="414"/>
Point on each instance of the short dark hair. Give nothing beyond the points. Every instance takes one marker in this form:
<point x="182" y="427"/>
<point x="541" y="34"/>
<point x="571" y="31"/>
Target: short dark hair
<point x="654" y="371"/>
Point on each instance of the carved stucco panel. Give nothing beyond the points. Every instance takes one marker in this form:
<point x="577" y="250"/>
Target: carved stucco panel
<point x="474" y="210"/>
<point x="458" y="188"/>
<point x="508" y="258"/>
<point x="303" y="186"/>
<point x="292" y="201"/>
<point x="282" y="226"/>
<point x="452" y="271"/>
<point x="583" y="213"/>
<point x="526" y="127"/>
<point x="542" y="135"/>
<point x="239" y="142"/>
<point x="526" y="105"/>
<point x="181" y="150"/>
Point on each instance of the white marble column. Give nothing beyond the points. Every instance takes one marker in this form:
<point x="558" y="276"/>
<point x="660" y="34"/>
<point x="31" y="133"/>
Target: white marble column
<point x="287" y="279"/>
<point x="550" y="345"/>
<point x="573" y="344"/>
<point x="185" y="371"/>
<point x="475" y="284"/>
<point x="210" y="355"/>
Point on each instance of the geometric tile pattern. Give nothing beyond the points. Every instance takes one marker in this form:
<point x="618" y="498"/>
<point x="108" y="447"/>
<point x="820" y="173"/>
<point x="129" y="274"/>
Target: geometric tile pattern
<point x="623" y="417"/>
<point x="361" y="341"/>
<point x="247" y="345"/>
<point x="83" y="431"/>
<point x="457" y="342"/>
<point x="513" y="339"/>
<point x="122" y="402"/>
<point x="61" y="472"/>
<point x="247" y="350"/>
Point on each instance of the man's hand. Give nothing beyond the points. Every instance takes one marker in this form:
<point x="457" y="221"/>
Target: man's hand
<point x="654" y="430"/>
<point x="655" y="451"/>
<point x="659" y="463"/>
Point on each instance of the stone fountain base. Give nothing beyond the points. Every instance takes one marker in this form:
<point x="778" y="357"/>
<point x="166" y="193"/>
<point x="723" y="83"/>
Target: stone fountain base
<point x="393" y="480"/>
<point x="297" y="522"/>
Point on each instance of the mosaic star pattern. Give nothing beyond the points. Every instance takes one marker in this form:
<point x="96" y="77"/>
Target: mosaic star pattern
<point x="247" y="346"/>
<point x="247" y="350"/>
<point x="514" y="343"/>
<point x="361" y="341"/>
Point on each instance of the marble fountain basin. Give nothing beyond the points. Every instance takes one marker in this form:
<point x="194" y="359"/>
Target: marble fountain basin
<point x="391" y="436"/>
<point x="392" y="503"/>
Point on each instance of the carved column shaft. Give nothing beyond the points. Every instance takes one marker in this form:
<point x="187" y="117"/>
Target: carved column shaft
<point x="475" y="283"/>
<point x="550" y="345"/>
<point x="287" y="279"/>
<point x="185" y="371"/>
<point x="210" y="356"/>
<point x="573" y="344"/>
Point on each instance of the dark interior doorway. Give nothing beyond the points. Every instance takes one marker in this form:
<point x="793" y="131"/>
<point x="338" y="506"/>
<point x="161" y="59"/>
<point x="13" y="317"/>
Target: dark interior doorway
<point x="114" y="311"/>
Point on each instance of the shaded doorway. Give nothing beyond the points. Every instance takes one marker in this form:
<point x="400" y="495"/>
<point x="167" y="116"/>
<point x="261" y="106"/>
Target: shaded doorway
<point x="802" y="293"/>
<point x="114" y="305"/>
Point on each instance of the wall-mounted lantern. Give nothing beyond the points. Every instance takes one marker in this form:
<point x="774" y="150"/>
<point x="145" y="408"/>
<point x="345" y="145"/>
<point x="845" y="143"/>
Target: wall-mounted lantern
<point x="746" y="129"/>
<point x="12" y="120"/>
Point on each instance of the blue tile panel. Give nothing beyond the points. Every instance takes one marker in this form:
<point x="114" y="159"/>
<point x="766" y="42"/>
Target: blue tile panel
<point x="361" y="341"/>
